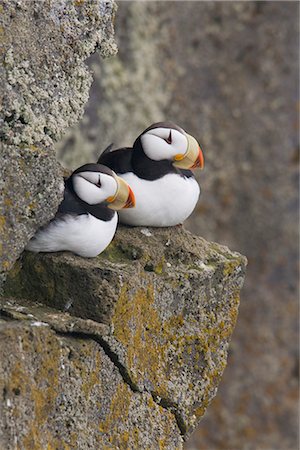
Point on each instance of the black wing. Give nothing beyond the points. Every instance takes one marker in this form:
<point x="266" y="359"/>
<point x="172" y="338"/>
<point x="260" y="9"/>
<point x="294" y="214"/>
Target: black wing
<point x="118" y="160"/>
<point x="186" y="173"/>
<point x="108" y="149"/>
<point x="70" y="204"/>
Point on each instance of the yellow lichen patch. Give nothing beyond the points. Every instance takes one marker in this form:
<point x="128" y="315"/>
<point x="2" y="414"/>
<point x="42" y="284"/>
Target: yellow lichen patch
<point x="137" y="326"/>
<point x="6" y="265"/>
<point x="160" y="266"/>
<point x="136" y="437"/>
<point x="162" y="444"/>
<point x="2" y="222"/>
<point x="91" y="375"/>
<point x="8" y="202"/>
<point x="58" y="444"/>
<point x="32" y="205"/>
<point x="115" y="423"/>
<point x="44" y="388"/>
<point x="151" y="402"/>
<point x="149" y="341"/>
<point x="30" y="442"/>
<point x="33" y="148"/>
<point x="15" y="382"/>
<point x="38" y="385"/>
<point x="230" y="267"/>
<point x="48" y="282"/>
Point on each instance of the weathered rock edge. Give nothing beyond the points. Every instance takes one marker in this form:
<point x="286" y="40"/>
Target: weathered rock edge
<point x="44" y="85"/>
<point x="62" y="390"/>
<point x="169" y="301"/>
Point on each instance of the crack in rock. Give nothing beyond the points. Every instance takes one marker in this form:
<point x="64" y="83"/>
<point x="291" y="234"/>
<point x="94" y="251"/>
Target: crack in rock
<point x="163" y="402"/>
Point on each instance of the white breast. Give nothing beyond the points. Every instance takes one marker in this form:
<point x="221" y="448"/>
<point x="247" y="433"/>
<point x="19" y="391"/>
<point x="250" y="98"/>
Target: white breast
<point x="164" y="202"/>
<point x="84" y="235"/>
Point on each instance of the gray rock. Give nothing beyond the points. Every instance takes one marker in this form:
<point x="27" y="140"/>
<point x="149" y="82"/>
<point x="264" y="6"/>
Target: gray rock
<point x="44" y="82"/>
<point x="44" y="86"/>
<point x="169" y="300"/>
<point x="61" y="391"/>
<point x="228" y="72"/>
<point x="31" y="188"/>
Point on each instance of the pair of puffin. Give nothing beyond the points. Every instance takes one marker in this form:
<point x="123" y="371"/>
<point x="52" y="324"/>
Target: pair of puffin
<point x="150" y="184"/>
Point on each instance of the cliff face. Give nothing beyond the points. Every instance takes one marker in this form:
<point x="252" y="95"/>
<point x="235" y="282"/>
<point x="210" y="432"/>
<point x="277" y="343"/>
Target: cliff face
<point x="138" y="346"/>
<point x="61" y="390"/>
<point x="123" y="351"/>
<point x="44" y="87"/>
<point x="227" y="72"/>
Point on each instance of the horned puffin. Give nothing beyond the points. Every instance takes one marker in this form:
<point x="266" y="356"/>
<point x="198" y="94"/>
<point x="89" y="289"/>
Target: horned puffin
<point x="157" y="168"/>
<point x="86" y="220"/>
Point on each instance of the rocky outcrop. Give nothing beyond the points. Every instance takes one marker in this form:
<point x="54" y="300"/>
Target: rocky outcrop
<point x="227" y="72"/>
<point x="44" y="86"/>
<point x="121" y="351"/>
<point x="61" y="390"/>
<point x="135" y="340"/>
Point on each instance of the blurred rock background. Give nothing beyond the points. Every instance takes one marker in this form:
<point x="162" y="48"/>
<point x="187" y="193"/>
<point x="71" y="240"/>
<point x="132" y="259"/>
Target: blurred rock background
<point x="227" y="72"/>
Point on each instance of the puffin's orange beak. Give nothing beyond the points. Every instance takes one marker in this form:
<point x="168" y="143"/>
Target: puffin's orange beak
<point x="130" y="202"/>
<point x="199" y="161"/>
<point x="124" y="197"/>
<point x="192" y="158"/>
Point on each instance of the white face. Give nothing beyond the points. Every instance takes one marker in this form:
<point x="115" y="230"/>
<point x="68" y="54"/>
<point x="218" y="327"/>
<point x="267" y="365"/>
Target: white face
<point x="164" y="143"/>
<point x="94" y="187"/>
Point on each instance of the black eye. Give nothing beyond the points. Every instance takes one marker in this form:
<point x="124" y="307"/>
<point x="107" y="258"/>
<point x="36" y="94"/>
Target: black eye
<point x="169" y="139"/>
<point x="99" y="182"/>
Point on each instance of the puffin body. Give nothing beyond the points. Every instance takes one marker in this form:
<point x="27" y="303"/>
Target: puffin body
<point x="83" y="234"/>
<point x="157" y="169"/>
<point x="164" y="202"/>
<point x="86" y="220"/>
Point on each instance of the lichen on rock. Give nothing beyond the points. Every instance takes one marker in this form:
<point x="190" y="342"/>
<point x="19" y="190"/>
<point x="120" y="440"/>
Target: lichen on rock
<point x="121" y="351"/>
<point x="132" y="85"/>
<point x="44" y="81"/>
<point x="44" y="85"/>
<point x="169" y="300"/>
<point x="64" y="393"/>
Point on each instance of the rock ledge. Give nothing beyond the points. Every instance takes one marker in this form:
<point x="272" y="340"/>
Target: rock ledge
<point x="160" y="305"/>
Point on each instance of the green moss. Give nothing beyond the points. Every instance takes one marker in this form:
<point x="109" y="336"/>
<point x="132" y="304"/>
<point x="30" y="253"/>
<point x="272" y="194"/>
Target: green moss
<point x="160" y="266"/>
<point x="117" y="252"/>
<point x="151" y="267"/>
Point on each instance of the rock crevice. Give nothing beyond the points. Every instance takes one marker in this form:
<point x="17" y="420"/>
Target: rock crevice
<point x="166" y="303"/>
<point x="10" y="310"/>
<point x="121" y="351"/>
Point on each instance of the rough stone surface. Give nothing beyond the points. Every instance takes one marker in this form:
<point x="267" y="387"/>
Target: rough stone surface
<point x="44" y="85"/>
<point x="30" y="182"/>
<point x="129" y="91"/>
<point x="168" y="299"/>
<point x="64" y="392"/>
<point x="229" y="73"/>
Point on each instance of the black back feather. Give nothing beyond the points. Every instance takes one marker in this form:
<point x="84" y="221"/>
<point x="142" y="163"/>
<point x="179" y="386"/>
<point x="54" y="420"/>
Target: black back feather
<point x="127" y="159"/>
<point x="118" y="160"/>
